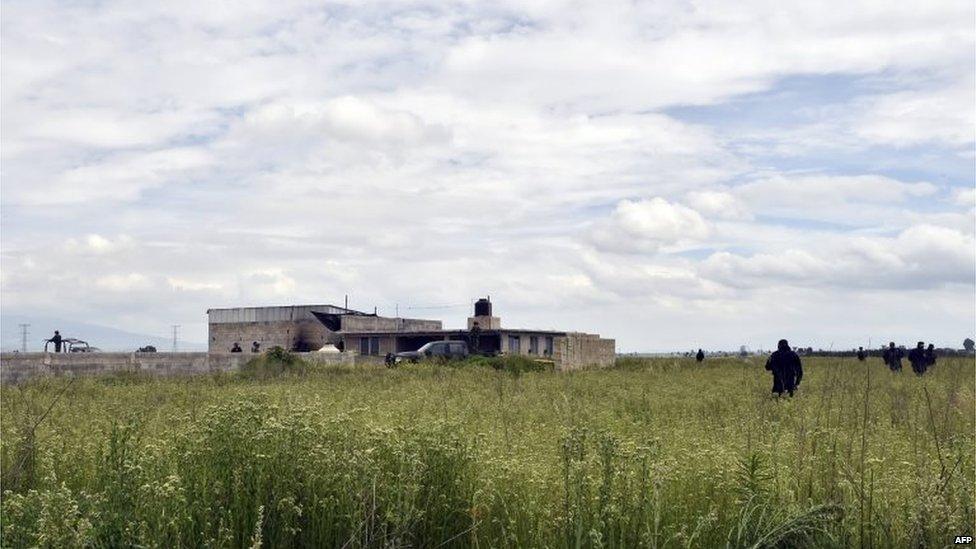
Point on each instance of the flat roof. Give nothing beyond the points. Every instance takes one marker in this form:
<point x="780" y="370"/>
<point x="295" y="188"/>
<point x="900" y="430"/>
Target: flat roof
<point x="441" y="333"/>
<point x="284" y="313"/>
<point x="251" y="307"/>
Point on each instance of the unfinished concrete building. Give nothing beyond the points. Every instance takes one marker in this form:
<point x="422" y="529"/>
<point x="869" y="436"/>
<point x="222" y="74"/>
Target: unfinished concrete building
<point x="310" y="327"/>
<point x="299" y="328"/>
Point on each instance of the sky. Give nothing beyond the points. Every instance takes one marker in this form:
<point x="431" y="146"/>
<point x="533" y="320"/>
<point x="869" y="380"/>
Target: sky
<point x="673" y="175"/>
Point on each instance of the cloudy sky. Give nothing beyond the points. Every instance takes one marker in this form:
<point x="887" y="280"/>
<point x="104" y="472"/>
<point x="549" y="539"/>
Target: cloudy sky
<point x="671" y="174"/>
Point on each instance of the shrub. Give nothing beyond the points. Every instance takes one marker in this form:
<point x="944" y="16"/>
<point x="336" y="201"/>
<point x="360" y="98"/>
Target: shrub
<point x="273" y="363"/>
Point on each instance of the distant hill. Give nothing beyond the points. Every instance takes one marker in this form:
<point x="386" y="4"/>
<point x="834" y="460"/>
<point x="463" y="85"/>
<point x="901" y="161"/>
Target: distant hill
<point x="103" y="337"/>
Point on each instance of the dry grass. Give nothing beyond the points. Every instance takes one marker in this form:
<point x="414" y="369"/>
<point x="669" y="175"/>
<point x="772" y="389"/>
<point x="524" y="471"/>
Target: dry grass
<point x="656" y="453"/>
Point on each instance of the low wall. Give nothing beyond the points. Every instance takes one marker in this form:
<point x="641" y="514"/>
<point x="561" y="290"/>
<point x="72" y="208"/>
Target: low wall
<point x="578" y="350"/>
<point x="18" y="367"/>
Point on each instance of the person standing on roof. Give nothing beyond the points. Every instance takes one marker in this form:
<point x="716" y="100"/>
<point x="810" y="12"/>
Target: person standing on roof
<point x="786" y="368"/>
<point x="56" y="340"/>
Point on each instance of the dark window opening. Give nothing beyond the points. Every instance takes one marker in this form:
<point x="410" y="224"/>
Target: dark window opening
<point x="533" y="345"/>
<point x="549" y="346"/>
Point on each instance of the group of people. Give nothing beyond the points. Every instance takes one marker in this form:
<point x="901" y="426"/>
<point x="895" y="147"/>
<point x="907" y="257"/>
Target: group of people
<point x="921" y="358"/>
<point x="255" y="347"/>
<point x="787" y="369"/>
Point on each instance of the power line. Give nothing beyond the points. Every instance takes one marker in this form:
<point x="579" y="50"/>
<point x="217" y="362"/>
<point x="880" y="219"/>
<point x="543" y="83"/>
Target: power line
<point x="176" y="329"/>
<point x="23" y="337"/>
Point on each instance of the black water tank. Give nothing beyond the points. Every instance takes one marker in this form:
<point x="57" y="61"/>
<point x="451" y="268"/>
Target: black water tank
<point x="482" y="307"/>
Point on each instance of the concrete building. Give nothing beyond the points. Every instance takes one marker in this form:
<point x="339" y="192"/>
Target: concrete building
<point x="297" y="327"/>
<point x="309" y="327"/>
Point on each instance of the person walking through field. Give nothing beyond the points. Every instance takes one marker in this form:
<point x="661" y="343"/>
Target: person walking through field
<point x="860" y="354"/>
<point x="930" y="356"/>
<point x="786" y="369"/>
<point x="892" y="357"/>
<point x="917" y="358"/>
<point x="700" y="356"/>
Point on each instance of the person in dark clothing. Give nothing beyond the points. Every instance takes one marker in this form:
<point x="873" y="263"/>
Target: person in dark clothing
<point x="390" y="360"/>
<point x="917" y="357"/>
<point x="930" y="356"/>
<point x="56" y="340"/>
<point x="786" y="368"/>
<point x="255" y="347"/>
<point x="892" y="357"/>
<point x="700" y="356"/>
<point x="860" y="354"/>
<point x="236" y="348"/>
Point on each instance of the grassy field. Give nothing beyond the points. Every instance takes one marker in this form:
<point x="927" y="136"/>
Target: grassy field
<point x="655" y="453"/>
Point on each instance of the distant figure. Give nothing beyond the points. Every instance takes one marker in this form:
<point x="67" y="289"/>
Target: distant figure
<point x="700" y="356"/>
<point x="930" y="356"/>
<point x="786" y="368"/>
<point x="236" y="348"/>
<point x="892" y="357"/>
<point x="255" y="347"/>
<point x="56" y="340"/>
<point x="917" y="357"/>
<point x="390" y="360"/>
<point x="860" y="354"/>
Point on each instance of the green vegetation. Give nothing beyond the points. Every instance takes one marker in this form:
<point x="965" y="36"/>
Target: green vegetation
<point x="656" y="452"/>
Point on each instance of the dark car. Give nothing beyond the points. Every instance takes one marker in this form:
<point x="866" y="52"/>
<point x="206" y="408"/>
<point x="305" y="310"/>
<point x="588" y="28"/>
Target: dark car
<point x="436" y="349"/>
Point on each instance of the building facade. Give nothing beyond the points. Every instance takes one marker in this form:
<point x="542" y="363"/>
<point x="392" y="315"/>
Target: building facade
<point x="298" y="328"/>
<point x="310" y="327"/>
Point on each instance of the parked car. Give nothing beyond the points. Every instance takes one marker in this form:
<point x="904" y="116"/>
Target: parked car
<point x="79" y="346"/>
<point x="436" y="349"/>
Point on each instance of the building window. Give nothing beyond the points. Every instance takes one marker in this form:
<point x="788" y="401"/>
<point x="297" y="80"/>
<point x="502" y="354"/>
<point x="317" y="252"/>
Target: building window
<point x="533" y="345"/>
<point x="364" y="345"/>
<point x="548" y="350"/>
<point x="514" y="344"/>
<point x="374" y="345"/>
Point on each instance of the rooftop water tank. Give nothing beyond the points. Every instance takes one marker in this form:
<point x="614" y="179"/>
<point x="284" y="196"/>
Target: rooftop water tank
<point x="482" y="307"/>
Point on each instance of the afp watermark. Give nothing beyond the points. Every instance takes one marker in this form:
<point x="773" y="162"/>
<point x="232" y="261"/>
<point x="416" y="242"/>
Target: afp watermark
<point x="964" y="540"/>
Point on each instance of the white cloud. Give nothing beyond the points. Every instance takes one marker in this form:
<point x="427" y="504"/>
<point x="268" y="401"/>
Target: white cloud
<point x="646" y="225"/>
<point x="921" y="256"/>
<point x="718" y="205"/>
<point x="830" y="191"/>
<point x="286" y="152"/>
<point x="123" y="282"/>
<point x="945" y="115"/>
<point x="965" y="197"/>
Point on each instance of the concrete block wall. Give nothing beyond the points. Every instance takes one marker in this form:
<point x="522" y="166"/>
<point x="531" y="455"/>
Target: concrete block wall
<point x="19" y="367"/>
<point x="577" y="350"/>
<point x="352" y="323"/>
<point x="282" y="333"/>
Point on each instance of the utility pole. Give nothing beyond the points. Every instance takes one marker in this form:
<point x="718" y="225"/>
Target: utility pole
<point x="176" y="330"/>
<point x="23" y="337"/>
